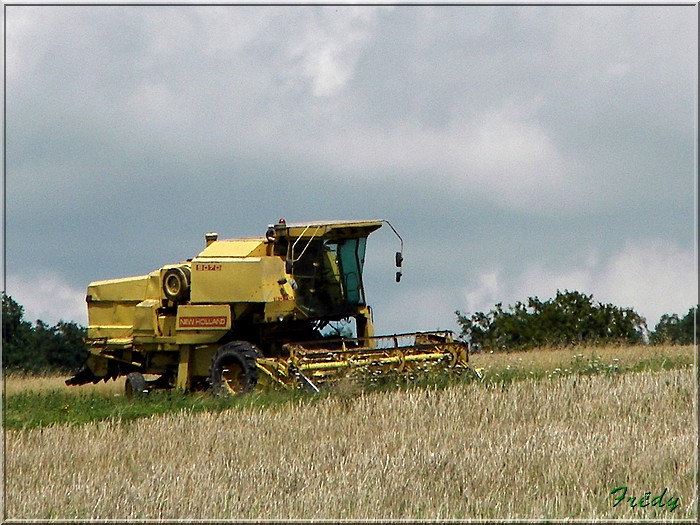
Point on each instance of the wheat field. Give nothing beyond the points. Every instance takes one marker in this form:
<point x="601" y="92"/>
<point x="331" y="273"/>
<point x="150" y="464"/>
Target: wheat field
<point x="550" y="359"/>
<point x="15" y="383"/>
<point x="551" y="448"/>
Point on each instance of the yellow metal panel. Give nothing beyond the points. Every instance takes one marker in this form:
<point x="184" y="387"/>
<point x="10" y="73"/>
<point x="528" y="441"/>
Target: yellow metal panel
<point x="183" y="368"/>
<point x="237" y="280"/>
<point x="112" y="306"/>
<point x="110" y="319"/>
<point x="153" y="289"/>
<point x="279" y="310"/>
<point x="200" y="360"/>
<point x="110" y="331"/>
<point x="166" y="325"/>
<point x="232" y="248"/>
<point x="126" y="289"/>
<point x="145" y="315"/>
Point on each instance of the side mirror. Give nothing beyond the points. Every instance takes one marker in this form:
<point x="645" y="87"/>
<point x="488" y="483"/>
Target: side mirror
<point x="288" y="266"/>
<point x="398" y="277"/>
<point x="399" y="259"/>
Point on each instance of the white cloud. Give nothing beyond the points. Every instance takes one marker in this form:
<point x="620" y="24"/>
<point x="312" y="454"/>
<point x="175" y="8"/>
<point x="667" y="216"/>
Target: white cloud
<point x="486" y="293"/>
<point x="24" y="50"/>
<point x="328" y="48"/>
<point x="653" y="277"/>
<point x="514" y="160"/>
<point x="47" y="298"/>
<point x="503" y="156"/>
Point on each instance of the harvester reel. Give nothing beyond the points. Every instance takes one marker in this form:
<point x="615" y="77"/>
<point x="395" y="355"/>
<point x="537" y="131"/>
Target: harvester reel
<point x="233" y="369"/>
<point x="176" y="284"/>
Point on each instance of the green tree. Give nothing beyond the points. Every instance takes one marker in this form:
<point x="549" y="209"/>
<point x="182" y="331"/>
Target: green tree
<point x="672" y="329"/>
<point x="569" y="318"/>
<point x="16" y="332"/>
<point x="39" y="347"/>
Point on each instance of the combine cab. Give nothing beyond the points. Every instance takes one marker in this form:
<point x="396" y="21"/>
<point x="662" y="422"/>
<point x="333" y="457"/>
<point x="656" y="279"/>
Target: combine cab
<point x="251" y="311"/>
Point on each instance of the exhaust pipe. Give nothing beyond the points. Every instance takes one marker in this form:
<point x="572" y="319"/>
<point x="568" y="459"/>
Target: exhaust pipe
<point x="211" y="237"/>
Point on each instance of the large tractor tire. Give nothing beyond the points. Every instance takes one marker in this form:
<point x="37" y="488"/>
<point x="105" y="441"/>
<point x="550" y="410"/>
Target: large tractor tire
<point x="135" y="385"/>
<point x="233" y="369"/>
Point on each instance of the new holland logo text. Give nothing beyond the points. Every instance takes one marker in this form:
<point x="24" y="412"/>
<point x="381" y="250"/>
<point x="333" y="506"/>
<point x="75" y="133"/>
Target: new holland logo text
<point x="211" y="321"/>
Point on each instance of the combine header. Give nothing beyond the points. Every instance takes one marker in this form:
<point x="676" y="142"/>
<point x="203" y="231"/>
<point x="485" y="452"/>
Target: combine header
<point x="251" y="311"/>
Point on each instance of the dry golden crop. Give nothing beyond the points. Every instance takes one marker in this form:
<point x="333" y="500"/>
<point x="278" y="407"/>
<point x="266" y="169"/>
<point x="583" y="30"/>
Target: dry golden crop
<point x="550" y="359"/>
<point x="16" y="382"/>
<point x="548" y="448"/>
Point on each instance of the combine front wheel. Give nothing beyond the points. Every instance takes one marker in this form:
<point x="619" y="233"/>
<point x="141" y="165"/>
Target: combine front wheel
<point x="233" y="369"/>
<point x="135" y="385"/>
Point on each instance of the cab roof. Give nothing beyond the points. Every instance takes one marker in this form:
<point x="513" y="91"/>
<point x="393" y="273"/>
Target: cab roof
<point x="255" y="247"/>
<point x="327" y="229"/>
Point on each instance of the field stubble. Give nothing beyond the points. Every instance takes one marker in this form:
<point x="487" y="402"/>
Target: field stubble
<point x="547" y="448"/>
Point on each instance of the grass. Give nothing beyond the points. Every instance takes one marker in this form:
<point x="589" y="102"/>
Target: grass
<point x="541" y="363"/>
<point x="28" y="409"/>
<point x="32" y="401"/>
<point x="547" y="434"/>
<point x="530" y="449"/>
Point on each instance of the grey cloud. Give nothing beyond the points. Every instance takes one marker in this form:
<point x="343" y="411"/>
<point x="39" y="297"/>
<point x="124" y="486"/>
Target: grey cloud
<point x="496" y="137"/>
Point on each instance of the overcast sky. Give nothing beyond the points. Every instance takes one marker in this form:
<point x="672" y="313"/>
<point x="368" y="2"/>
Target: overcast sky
<point x="517" y="150"/>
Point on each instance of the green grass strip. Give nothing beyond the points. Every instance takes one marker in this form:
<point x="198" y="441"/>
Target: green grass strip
<point x="26" y="410"/>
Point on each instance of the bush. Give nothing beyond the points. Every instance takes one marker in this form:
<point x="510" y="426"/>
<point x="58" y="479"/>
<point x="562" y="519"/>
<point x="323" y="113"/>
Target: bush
<point x="570" y="318"/>
<point x="671" y="329"/>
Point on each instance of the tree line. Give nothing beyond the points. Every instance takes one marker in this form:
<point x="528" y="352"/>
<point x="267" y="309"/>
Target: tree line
<point x="569" y="318"/>
<point x="39" y="347"/>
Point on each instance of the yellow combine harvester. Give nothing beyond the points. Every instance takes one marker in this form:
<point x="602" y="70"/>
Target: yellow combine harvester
<point x="251" y="311"/>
